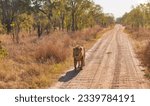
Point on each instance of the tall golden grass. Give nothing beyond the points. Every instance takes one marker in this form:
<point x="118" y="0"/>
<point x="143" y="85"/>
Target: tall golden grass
<point x="37" y="62"/>
<point x="142" y="46"/>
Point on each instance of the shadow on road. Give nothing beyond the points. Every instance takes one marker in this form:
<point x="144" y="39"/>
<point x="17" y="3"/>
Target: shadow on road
<point x="68" y="76"/>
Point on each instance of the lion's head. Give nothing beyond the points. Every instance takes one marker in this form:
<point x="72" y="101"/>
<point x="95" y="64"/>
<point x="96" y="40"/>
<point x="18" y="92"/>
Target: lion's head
<point x="77" y="52"/>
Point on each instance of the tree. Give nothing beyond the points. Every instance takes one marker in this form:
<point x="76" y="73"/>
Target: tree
<point x="22" y="22"/>
<point x="75" y="6"/>
<point x="48" y="15"/>
<point x="10" y="9"/>
<point x="138" y="17"/>
<point x="41" y="23"/>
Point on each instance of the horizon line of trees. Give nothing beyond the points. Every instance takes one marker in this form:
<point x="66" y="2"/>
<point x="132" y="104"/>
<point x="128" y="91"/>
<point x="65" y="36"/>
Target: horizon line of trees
<point x="138" y="17"/>
<point x="46" y="15"/>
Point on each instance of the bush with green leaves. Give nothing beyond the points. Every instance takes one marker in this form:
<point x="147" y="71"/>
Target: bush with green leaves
<point x="3" y="53"/>
<point x="2" y="30"/>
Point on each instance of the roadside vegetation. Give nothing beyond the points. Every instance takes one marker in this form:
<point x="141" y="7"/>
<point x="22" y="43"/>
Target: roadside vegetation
<point x="137" y="23"/>
<point x="37" y="37"/>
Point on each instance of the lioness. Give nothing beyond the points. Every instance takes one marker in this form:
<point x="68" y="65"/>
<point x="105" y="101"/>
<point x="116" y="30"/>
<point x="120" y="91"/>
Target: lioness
<point x="79" y="56"/>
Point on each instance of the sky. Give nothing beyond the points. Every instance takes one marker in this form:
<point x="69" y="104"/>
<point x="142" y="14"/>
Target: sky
<point x="118" y="7"/>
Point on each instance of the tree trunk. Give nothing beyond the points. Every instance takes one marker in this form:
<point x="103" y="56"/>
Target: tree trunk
<point x="73" y="20"/>
<point x="8" y="27"/>
<point x="39" y="30"/>
<point x="15" y="33"/>
<point x="62" y="21"/>
<point x="76" y="23"/>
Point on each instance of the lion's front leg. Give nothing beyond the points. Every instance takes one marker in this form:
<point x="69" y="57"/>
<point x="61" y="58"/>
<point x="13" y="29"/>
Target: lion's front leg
<point x="79" y="64"/>
<point x="75" y="64"/>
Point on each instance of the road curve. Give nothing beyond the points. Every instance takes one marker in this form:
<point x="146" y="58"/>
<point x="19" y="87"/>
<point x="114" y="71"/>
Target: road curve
<point x="110" y="64"/>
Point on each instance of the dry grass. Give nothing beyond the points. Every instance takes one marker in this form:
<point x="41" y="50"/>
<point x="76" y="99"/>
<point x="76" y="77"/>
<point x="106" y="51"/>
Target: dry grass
<point x="37" y="62"/>
<point x="86" y="34"/>
<point x="147" y="55"/>
<point x="146" y="60"/>
<point x="141" y="39"/>
<point x="53" y="52"/>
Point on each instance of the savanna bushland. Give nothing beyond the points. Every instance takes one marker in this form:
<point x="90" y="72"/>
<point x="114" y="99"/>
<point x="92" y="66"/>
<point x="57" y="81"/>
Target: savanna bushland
<point x="37" y="37"/>
<point x="137" y="23"/>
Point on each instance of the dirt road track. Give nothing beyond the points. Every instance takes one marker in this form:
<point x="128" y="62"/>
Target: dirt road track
<point x="110" y="63"/>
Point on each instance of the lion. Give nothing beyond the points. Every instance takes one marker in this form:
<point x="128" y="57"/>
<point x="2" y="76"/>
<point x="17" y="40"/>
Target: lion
<point x="79" y="57"/>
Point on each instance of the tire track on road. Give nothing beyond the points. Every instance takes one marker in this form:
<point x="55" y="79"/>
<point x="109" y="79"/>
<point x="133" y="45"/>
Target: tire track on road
<point x="110" y="63"/>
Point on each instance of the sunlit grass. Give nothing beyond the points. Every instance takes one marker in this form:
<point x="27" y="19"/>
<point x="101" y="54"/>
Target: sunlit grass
<point x="38" y="63"/>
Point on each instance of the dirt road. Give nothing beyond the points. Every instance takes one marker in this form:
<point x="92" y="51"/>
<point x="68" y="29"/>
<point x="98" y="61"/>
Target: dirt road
<point x="110" y="63"/>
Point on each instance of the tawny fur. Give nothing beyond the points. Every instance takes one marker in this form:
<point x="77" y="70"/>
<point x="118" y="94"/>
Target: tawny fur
<point x="79" y="57"/>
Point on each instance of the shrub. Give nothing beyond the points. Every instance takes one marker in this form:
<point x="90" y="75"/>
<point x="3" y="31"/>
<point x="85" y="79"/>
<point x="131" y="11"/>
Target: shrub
<point x="56" y="53"/>
<point x="3" y="53"/>
<point x="2" y="30"/>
